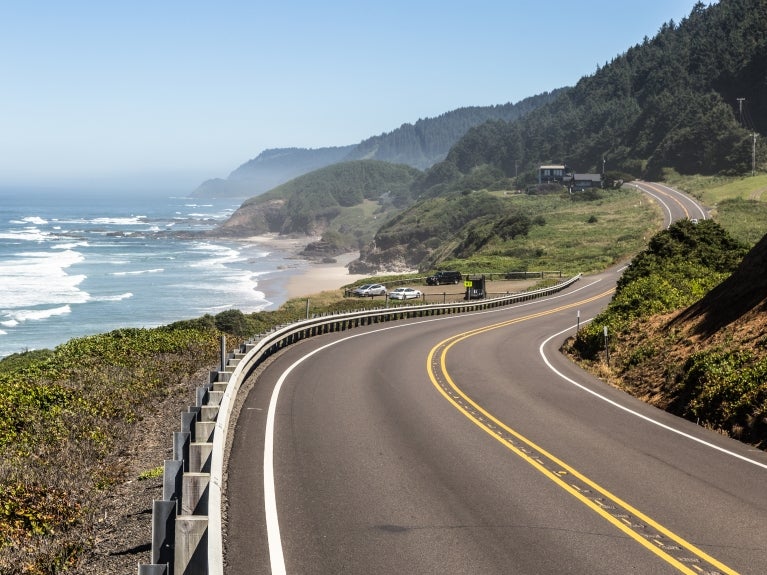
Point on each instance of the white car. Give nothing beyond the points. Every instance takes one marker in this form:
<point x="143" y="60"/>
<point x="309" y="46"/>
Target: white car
<point x="370" y="290"/>
<point x="404" y="293"/>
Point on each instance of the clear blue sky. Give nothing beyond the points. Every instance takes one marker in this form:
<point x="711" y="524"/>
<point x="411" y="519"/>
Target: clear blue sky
<point x="173" y="92"/>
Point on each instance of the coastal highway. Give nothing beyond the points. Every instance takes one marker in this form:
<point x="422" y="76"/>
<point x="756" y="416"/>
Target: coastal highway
<point x="469" y="444"/>
<point x="675" y="205"/>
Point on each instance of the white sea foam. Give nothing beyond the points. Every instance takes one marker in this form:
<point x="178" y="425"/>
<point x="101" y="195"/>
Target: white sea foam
<point x="70" y="268"/>
<point x="40" y="278"/>
<point x="23" y="315"/>
<point x="118" y="297"/>
<point x="28" y="234"/>
<point x="36" y="220"/>
<point x="139" y="272"/>
<point x="105" y="221"/>
<point x="69" y="245"/>
<point x="219" y="255"/>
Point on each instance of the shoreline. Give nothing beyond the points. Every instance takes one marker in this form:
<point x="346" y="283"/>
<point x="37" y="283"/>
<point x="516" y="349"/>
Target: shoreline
<point x="307" y="277"/>
<point x="317" y="277"/>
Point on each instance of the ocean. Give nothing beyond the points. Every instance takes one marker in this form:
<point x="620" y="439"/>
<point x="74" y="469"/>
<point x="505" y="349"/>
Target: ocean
<point x="74" y="264"/>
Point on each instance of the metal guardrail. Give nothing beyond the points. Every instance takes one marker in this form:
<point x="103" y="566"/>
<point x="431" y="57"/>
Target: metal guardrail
<point x="489" y="276"/>
<point x="187" y="537"/>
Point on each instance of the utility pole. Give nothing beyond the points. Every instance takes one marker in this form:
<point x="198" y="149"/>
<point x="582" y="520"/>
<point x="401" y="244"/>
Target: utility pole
<point x="753" y="156"/>
<point x="753" y="145"/>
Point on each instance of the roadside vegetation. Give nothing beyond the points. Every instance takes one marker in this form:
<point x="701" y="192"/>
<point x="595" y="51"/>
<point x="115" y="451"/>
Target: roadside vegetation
<point x="63" y="412"/>
<point x="658" y="351"/>
<point x="503" y="231"/>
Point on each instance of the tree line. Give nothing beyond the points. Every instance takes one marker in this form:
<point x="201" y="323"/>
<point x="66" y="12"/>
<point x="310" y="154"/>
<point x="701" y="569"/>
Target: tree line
<point x="674" y="101"/>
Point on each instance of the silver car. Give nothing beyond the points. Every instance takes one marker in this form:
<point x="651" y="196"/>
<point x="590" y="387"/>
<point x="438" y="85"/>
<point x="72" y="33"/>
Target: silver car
<point x="404" y="293"/>
<point x="370" y="290"/>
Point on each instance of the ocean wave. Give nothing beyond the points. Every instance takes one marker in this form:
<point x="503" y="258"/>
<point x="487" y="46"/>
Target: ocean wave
<point x="40" y="278"/>
<point x="22" y="315"/>
<point x="118" y="297"/>
<point x="53" y="259"/>
<point x="139" y="272"/>
<point x="106" y="221"/>
<point x="70" y="245"/>
<point x="219" y="255"/>
<point x="29" y="234"/>
<point x="234" y="288"/>
<point x="36" y="220"/>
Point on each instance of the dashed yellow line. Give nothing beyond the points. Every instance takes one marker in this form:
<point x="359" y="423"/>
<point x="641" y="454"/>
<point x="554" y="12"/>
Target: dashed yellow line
<point x="671" y="197"/>
<point x="563" y="474"/>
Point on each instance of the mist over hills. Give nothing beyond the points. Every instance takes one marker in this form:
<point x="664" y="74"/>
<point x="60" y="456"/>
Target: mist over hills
<point x="419" y="145"/>
<point x="687" y="100"/>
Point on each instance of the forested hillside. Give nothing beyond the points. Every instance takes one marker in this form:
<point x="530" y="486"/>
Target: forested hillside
<point x="673" y="101"/>
<point x="687" y="100"/>
<point x="344" y="202"/>
<point x="419" y="145"/>
<point x="270" y="169"/>
<point x="429" y="140"/>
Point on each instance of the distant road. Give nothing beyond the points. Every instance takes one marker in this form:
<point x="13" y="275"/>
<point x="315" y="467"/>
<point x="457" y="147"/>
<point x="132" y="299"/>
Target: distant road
<point x="469" y="444"/>
<point x="675" y="205"/>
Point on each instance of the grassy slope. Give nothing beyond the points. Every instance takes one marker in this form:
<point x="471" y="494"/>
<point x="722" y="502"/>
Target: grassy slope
<point x="575" y="237"/>
<point x="715" y="378"/>
<point x="738" y="204"/>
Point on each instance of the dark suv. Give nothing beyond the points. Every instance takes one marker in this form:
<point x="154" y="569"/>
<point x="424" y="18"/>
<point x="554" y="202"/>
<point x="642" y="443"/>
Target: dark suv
<point x="444" y="277"/>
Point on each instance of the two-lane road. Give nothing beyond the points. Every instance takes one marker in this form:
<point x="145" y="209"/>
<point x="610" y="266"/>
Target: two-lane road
<point x="468" y="444"/>
<point x="674" y="204"/>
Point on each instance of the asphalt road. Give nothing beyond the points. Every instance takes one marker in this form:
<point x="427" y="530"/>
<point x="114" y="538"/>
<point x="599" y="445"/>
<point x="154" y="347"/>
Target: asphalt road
<point x="468" y="444"/>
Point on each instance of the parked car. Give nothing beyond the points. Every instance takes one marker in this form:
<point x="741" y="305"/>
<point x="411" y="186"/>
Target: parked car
<point x="370" y="290"/>
<point x="404" y="293"/>
<point x="444" y="277"/>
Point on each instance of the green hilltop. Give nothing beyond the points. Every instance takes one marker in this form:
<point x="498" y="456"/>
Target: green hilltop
<point x="685" y="102"/>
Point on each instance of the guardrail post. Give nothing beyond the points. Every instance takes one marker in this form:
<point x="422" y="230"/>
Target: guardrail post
<point x="163" y="531"/>
<point x="153" y="570"/>
<point x="199" y="457"/>
<point x="191" y="554"/>
<point x="172" y="481"/>
<point x="202" y="395"/>
<point x="194" y="493"/>
<point x="188" y="420"/>
<point x="181" y="441"/>
<point x="203" y="431"/>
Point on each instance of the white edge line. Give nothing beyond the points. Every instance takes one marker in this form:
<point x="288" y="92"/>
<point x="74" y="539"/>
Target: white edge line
<point x="636" y="413"/>
<point x="276" y="553"/>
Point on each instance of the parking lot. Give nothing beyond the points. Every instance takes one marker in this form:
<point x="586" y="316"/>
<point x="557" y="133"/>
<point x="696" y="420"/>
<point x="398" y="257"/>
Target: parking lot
<point x="456" y="292"/>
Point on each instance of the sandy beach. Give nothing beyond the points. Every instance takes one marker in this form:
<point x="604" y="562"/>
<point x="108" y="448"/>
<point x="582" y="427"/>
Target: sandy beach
<point x="318" y="277"/>
<point x="310" y="277"/>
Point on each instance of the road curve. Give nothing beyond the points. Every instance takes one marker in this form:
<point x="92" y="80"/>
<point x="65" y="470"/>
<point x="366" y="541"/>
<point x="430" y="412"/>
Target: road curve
<point x="469" y="444"/>
<point x="674" y="204"/>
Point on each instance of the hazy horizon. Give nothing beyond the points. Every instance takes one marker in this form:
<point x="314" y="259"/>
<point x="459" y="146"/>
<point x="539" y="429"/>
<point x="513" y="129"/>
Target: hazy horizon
<point x="171" y="94"/>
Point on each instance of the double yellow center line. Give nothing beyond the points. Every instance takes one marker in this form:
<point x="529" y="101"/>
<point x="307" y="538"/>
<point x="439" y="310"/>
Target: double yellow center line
<point x="670" y="547"/>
